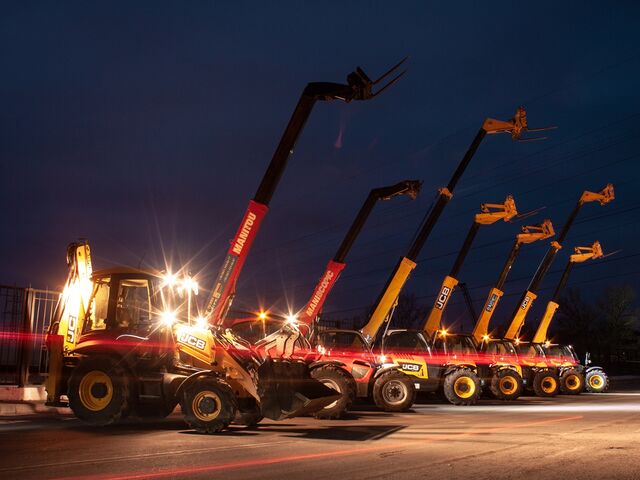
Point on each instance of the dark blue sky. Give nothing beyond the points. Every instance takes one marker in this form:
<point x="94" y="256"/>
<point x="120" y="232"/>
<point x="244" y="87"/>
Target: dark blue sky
<point x="146" y="127"/>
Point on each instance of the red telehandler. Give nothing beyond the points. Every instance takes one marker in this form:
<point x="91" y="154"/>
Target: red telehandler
<point x="342" y="358"/>
<point x="121" y="343"/>
<point x="358" y="87"/>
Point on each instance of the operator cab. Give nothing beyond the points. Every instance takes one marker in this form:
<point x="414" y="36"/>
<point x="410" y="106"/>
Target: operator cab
<point x="126" y="305"/>
<point x="403" y="341"/>
<point x="561" y="353"/>
<point x="347" y="343"/>
<point x="456" y="346"/>
<point x="531" y="352"/>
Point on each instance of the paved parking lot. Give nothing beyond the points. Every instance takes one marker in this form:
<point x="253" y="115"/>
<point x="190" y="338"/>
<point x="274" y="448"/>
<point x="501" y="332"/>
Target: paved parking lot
<point x="588" y="436"/>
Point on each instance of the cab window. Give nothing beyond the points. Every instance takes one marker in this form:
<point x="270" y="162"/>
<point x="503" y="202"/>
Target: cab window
<point x="96" y="318"/>
<point x="342" y="341"/>
<point x="133" y="305"/>
<point x="405" y="342"/>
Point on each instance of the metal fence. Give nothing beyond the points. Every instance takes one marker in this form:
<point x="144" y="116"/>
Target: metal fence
<point x="25" y="314"/>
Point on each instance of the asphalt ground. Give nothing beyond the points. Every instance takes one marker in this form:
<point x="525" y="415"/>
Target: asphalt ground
<point x="585" y="436"/>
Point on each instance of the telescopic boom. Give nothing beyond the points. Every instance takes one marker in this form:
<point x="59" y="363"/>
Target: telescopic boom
<point x="389" y="296"/>
<point x="581" y="254"/>
<point x="411" y="188"/>
<point x="604" y="196"/>
<point x="358" y="87"/>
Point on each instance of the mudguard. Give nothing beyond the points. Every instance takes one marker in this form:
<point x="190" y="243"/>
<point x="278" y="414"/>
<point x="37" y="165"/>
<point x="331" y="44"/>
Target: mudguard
<point x="322" y="363"/>
<point x="458" y="366"/>
<point x="384" y="368"/>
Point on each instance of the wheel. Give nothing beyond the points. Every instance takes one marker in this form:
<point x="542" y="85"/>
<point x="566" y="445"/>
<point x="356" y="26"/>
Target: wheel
<point x="98" y="390"/>
<point x="506" y="384"/>
<point x="596" y="381"/>
<point x="394" y="391"/>
<point x="208" y="405"/>
<point x="571" y="382"/>
<point x="462" y="387"/>
<point x="338" y="379"/>
<point x="546" y="383"/>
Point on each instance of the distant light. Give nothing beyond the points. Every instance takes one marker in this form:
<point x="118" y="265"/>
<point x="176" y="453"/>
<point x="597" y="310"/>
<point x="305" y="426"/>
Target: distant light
<point x="321" y="349"/>
<point x="262" y="315"/>
<point x="168" y="318"/>
<point x="547" y="343"/>
<point x="486" y="338"/>
<point x="382" y="358"/>
<point x="292" y="318"/>
<point x="443" y="332"/>
<point x="517" y="341"/>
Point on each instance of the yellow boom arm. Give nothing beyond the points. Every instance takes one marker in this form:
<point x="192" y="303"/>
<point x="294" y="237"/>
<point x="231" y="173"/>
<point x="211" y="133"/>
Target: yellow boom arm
<point x="529" y="234"/>
<point x="489" y="213"/>
<point x="389" y="298"/>
<point x="582" y="254"/>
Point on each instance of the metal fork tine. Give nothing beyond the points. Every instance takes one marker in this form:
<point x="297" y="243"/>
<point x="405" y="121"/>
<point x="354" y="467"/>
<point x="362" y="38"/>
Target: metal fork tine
<point x="533" y="139"/>
<point x="541" y="129"/>
<point x="391" y="69"/>
<point x="389" y="84"/>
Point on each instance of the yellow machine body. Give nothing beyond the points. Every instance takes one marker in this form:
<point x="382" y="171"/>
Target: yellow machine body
<point x="389" y="298"/>
<point x="518" y="319"/>
<point x="481" y="328"/>
<point x="434" y="319"/>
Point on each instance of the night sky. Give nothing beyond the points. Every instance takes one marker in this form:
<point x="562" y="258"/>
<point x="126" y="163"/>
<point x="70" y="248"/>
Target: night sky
<point x="146" y="127"/>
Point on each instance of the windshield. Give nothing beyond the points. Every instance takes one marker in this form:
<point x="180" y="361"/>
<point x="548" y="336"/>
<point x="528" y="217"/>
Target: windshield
<point x="406" y="342"/>
<point x="457" y="344"/>
<point x="349" y="341"/>
<point x="500" y="348"/>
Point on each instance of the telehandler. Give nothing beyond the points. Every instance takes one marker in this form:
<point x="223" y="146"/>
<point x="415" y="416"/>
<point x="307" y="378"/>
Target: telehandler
<point x="110" y="355"/>
<point x="539" y="375"/>
<point x="573" y="375"/>
<point x="343" y="359"/>
<point x="458" y="381"/>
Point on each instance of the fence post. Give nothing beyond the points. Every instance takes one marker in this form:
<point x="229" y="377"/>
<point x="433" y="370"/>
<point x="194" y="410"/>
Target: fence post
<point x="25" y="342"/>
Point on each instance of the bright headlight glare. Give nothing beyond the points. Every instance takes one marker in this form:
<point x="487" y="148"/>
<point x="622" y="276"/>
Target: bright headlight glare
<point x="168" y="318"/>
<point x="201" y="322"/>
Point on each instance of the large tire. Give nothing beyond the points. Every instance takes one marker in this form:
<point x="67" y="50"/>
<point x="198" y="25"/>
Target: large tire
<point x="596" y="381"/>
<point x="571" y="382"/>
<point x="98" y="391"/>
<point x="338" y="379"/>
<point x="208" y="405"/>
<point x="546" y="383"/>
<point x="506" y="384"/>
<point x="462" y="387"/>
<point x="393" y="391"/>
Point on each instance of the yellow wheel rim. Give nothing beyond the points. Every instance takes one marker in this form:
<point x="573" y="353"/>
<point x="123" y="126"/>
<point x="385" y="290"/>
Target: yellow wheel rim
<point x="96" y="390"/>
<point x="596" y="381"/>
<point x="508" y="385"/>
<point x="573" y="382"/>
<point x="464" y="387"/>
<point x="549" y="385"/>
<point x="206" y="405"/>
